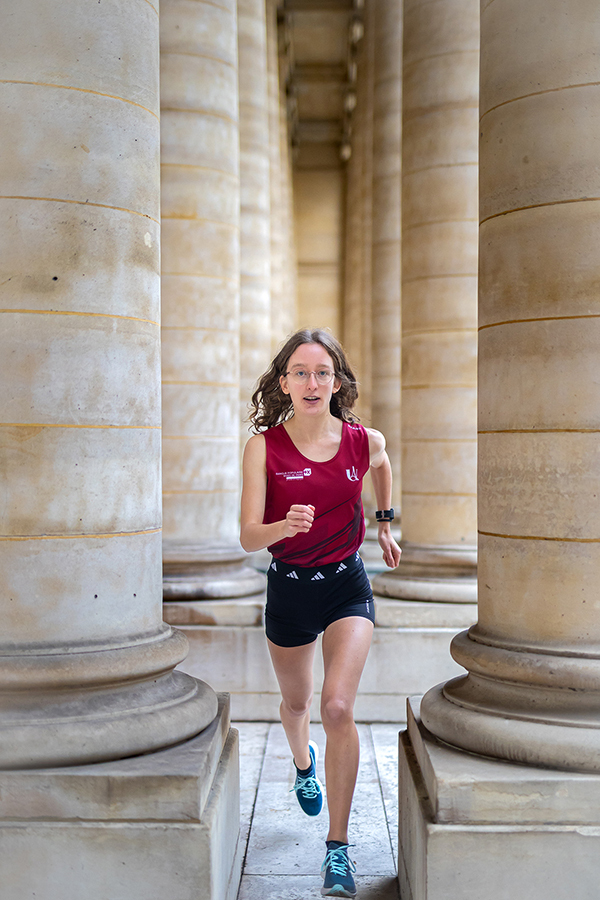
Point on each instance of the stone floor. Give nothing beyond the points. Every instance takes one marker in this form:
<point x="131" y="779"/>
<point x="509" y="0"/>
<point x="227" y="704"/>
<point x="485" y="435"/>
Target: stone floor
<point x="283" y="848"/>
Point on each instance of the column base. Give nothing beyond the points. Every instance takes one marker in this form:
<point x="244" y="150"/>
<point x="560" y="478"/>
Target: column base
<point x="442" y="574"/>
<point x="161" y="825"/>
<point x="198" y="571"/>
<point x="472" y="827"/>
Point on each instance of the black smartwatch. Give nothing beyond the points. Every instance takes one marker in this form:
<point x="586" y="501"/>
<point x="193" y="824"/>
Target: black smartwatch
<point x="384" y="515"/>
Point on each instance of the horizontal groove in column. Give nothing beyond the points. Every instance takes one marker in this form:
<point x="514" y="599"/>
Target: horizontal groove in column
<point x="200" y="112"/>
<point x="451" y="165"/>
<point x="526" y="537"/>
<point x="64" y="425"/>
<point x="216" y="59"/>
<point x="437" y="277"/>
<point x="81" y="203"/>
<point x="416" y="62"/>
<point x="437" y="222"/>
<point x="539" y="319"/>
<point x="420" y="331"/>
<point x="196" y="328"/>
<point x="176" y="165"/>
<point x="557" y="90"/>
<point x="70" y="312"/>
<point x="67" y="87"/>
<point x="507" y="212"/>
<point x="216" y="5"/>
<point x="75" y="537"/>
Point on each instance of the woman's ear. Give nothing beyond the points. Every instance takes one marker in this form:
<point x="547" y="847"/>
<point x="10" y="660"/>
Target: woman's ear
<point x="337" y="383"/>
<point x="283" y="384"/>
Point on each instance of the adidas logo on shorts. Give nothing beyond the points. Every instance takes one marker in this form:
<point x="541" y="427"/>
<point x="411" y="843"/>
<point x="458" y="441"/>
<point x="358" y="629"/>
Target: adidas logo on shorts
<point x="273" y="566"/>
<point x="318" y="577"/>
<point x="340" y="568"/>
<point x="292" y="574"/>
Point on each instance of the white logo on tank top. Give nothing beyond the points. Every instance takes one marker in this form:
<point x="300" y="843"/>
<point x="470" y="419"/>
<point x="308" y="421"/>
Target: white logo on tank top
<point x="352" y="474"/>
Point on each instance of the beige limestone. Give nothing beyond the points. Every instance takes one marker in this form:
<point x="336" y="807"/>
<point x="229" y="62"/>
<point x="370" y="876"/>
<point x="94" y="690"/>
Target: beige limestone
<point x="533" y="658"/>
<point x="386" y="23"/>
<point x="318" y="218"/>
<point x="80" y="410"/>
<point x="469" y="825"/>
<point x="255" y="213"/>
<point x="136" y="829"/>
<point x="439" y="278"/>
<point x="200" y="296"/>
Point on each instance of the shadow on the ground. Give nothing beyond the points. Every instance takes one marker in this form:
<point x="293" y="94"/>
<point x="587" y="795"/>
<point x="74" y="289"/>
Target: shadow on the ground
<point x="378" y="889"/>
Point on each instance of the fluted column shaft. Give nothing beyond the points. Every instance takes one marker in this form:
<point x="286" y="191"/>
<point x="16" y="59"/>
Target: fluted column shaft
<point x="533" y="692"/>
<point x="85" y="659"/>
<point x="255" y="238"/>
<point x="439" y="278"/>
<point x="386" y="24"/>
<point x="201" y="299"/>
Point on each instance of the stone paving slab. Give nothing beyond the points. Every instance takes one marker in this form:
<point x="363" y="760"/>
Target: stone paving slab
<point x="286" y="848"/>
<point x="308" y="887"/>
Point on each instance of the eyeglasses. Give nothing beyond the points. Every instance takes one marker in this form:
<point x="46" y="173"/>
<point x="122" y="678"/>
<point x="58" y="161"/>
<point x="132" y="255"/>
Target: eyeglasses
<point x="301" y="376"/>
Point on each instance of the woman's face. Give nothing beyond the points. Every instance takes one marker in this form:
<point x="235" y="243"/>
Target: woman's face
<point x="309" y="396"/>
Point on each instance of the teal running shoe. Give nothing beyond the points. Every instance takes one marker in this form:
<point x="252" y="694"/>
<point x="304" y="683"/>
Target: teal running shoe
<point x="309" y="790"/>
<point x="337" y="871"/>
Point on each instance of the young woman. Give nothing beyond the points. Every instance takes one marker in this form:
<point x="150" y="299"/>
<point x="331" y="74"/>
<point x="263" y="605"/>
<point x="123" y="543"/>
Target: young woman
<point x="301" y="498"/>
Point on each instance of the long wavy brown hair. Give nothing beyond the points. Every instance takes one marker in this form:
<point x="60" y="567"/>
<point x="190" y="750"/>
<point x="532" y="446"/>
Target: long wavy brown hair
<point x="270" y="406"/>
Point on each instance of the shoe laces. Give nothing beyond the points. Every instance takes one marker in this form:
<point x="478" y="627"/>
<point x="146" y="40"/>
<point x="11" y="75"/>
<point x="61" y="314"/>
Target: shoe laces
<point x="338" y="860"/>
<point x="308" y="786"/>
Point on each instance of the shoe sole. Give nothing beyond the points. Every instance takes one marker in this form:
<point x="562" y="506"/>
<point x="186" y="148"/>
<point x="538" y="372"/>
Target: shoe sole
<point x="336" y="891"/>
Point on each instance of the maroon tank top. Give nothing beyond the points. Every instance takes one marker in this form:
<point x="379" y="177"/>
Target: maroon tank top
<point x="332" y="487"/>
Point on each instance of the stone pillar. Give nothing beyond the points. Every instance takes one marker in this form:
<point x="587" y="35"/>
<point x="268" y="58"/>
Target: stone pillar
<point x="533" y="689"/>
<point x="439" y="277"/>
<point x="255" y="239"/>
<point x="86" y="661"/>
<point x="386" y="23"/>
<point x="201" y="312"/>
<point x="532" y="692"/>
<point x="282" y="308"/>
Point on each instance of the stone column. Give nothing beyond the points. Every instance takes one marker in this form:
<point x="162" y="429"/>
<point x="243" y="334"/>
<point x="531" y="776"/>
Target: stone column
<point x="532" y="692"/>
<point x="86" y="662"/>
<point x="282" y="307"/>
<point x="439" y="277"/>
<point x="255" y="238"/>
<point x="201" y="312"/>
<point x="533" y="689"/>
<point x="386" y="23"/>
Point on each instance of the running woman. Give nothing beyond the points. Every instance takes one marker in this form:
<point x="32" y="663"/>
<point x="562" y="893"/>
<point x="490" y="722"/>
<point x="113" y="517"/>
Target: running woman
<point x="303" y="473"/>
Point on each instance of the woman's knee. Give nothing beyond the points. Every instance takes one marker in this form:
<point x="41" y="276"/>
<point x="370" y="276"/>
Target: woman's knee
<point x="296" y="707"/>
<point x="336" y="712"/>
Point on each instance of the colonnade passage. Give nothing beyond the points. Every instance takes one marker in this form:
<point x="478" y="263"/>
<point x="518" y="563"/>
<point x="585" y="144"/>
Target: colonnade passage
<point x="182" y="188"/>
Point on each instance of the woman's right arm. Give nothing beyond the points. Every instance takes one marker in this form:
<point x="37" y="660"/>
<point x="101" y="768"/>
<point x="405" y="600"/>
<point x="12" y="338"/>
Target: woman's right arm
<point x="254" y="535"/>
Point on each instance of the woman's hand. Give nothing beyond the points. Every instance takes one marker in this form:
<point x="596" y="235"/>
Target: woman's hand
<point x="391" y="550"/>
<point x="298" y="519"/>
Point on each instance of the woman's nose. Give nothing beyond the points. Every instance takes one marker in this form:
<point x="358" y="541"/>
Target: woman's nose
<point x="312" y="379"/>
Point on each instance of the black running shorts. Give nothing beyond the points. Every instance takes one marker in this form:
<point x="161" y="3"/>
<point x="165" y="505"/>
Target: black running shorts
<point x="302" y="602"/>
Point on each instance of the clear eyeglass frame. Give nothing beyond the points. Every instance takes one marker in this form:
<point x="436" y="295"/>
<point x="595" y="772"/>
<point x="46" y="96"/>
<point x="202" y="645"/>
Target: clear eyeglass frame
<point x="301" y="376"/>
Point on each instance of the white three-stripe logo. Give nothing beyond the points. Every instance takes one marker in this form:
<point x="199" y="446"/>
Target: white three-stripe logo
<point x="340" y="568"/>
<point x="291" y="575"/>
<point x="273" y="566"/>
<point x="317" y="577"/>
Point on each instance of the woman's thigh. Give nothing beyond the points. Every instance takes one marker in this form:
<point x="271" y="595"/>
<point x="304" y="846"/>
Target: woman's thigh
<point x="346" y="644"/>
<point x="294" y="670"/>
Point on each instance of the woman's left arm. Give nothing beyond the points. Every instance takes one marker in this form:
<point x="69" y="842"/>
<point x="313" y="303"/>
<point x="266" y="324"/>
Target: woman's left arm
<point x="381" y="475"/>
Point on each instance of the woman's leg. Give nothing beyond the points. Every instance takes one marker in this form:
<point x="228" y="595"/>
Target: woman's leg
<point x="346" y="644"/>
<point x="294" y="670"/>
